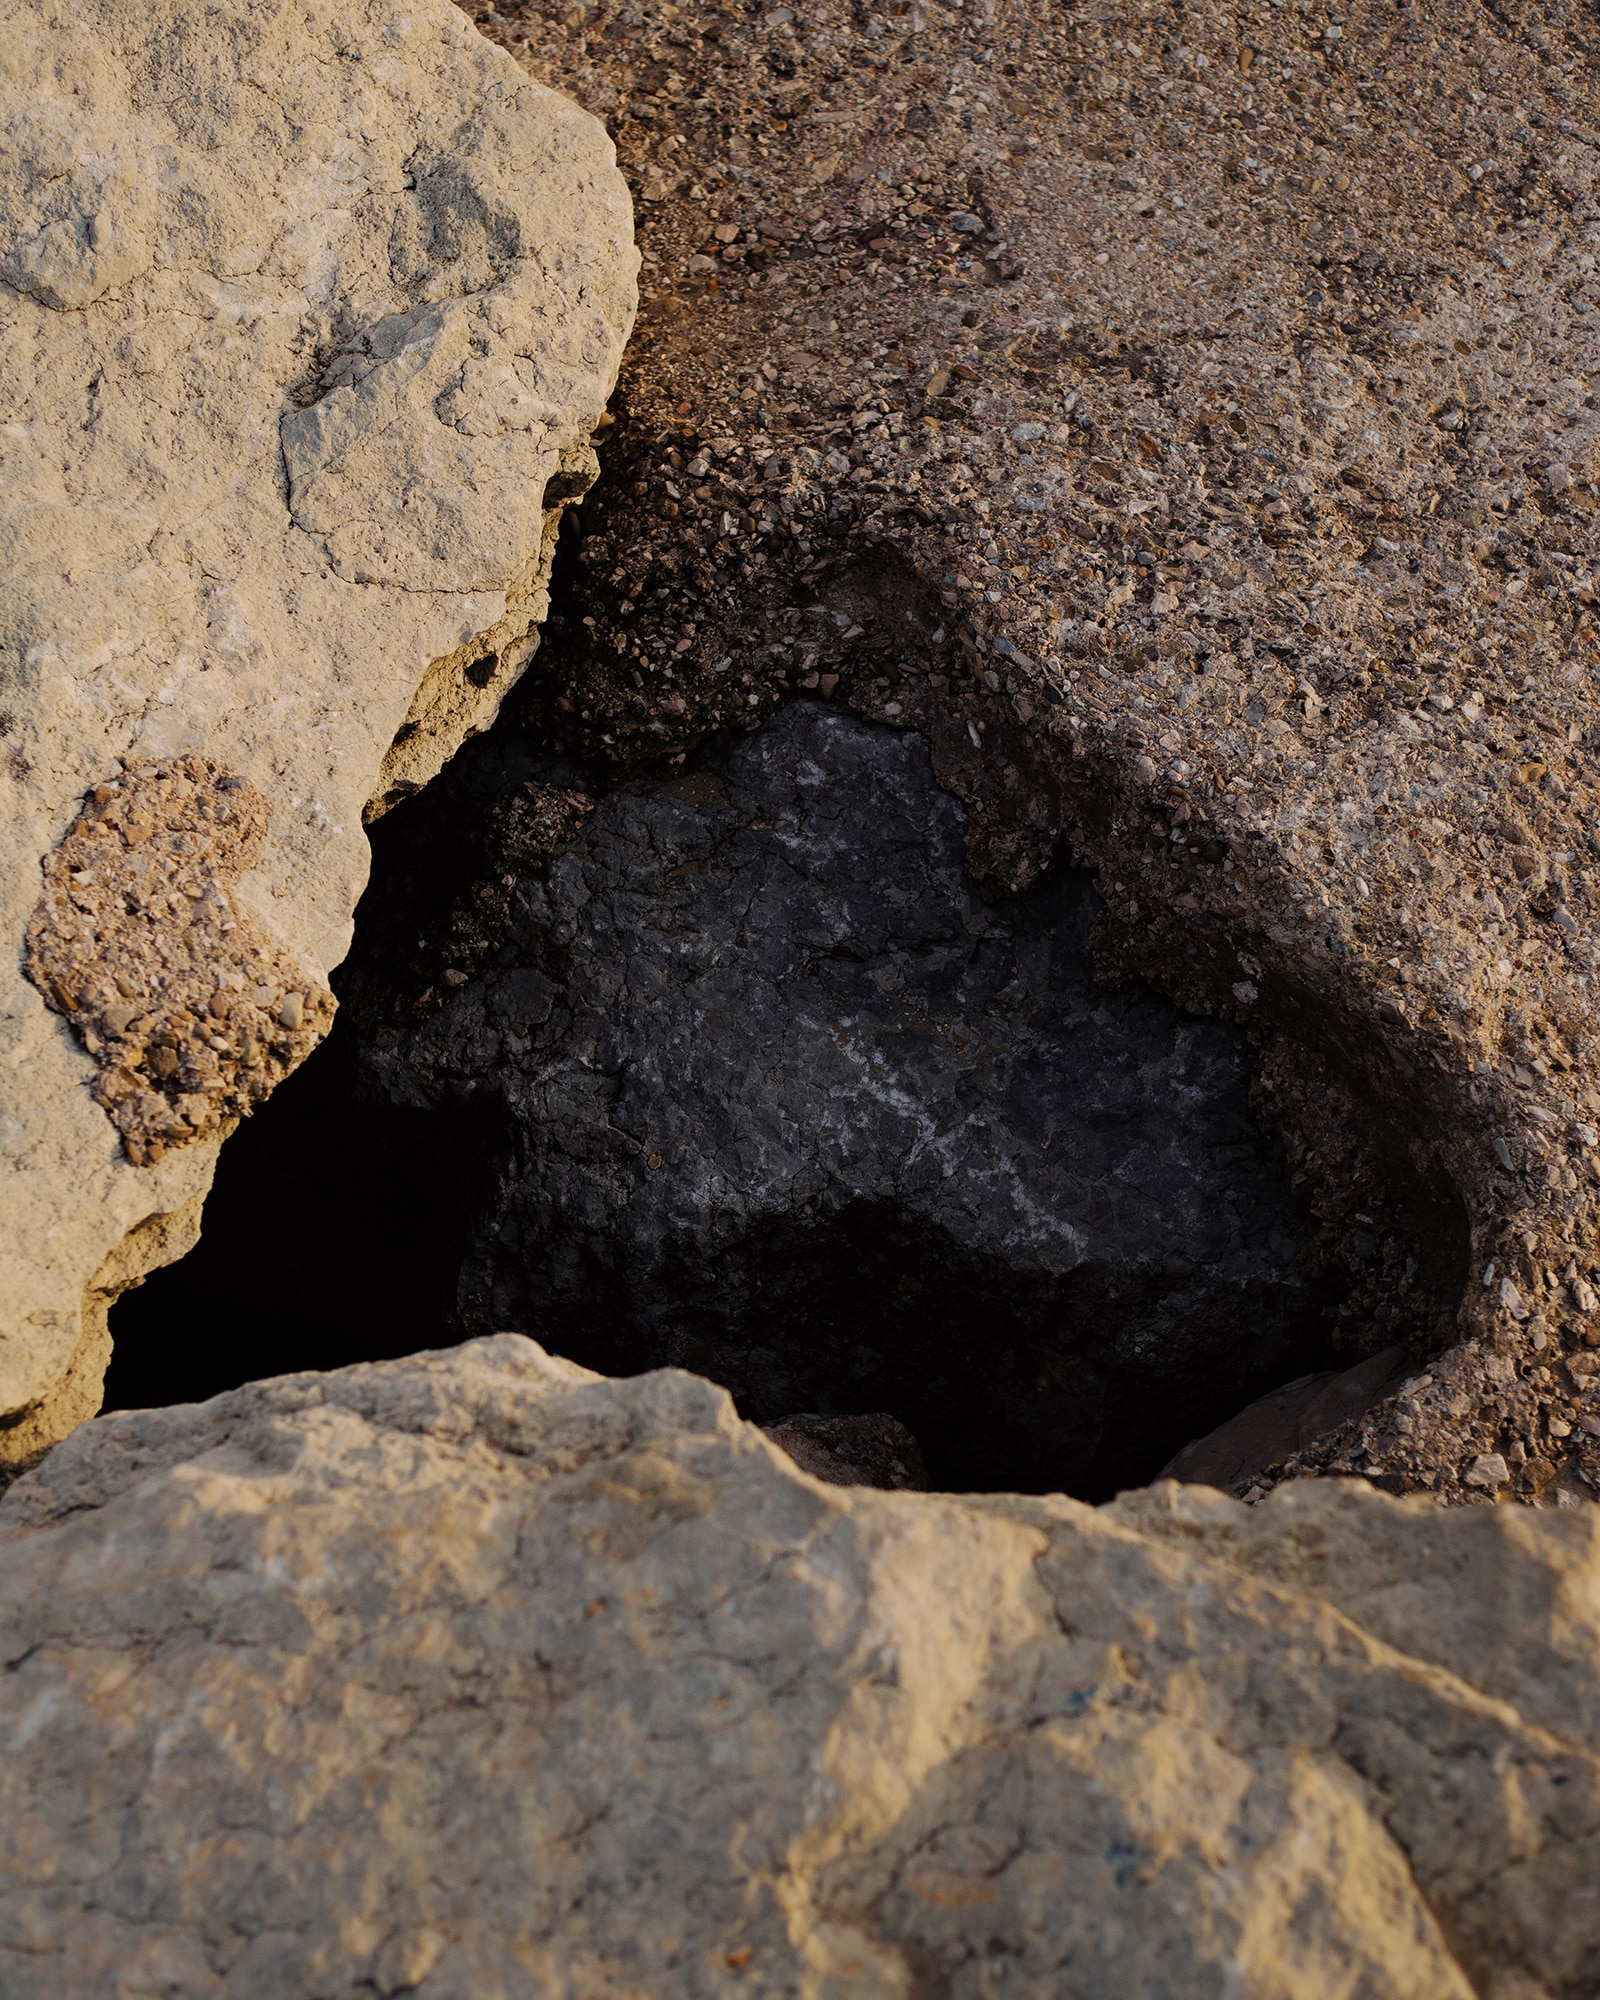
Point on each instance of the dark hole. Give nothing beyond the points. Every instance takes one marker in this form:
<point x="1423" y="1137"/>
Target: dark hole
<point x="537" y="1112"/>
<point x="481" y="672"/>
<point x="333" y="1234"/>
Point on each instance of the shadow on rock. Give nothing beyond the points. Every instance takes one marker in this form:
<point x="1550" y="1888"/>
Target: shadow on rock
<point x="790" y="1104"/>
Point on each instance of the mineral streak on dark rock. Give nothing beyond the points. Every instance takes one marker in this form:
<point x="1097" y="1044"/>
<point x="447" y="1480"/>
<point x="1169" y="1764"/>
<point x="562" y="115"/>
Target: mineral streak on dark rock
<point x="791" y="1105"/>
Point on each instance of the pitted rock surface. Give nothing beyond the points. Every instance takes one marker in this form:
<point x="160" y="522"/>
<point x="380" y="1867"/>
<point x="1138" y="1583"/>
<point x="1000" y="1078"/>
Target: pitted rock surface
<point x="307" y="314"/>
<point x="191" y="1014"/>
<point x="790" y="1104"/>
<point x="477" y="1674"/>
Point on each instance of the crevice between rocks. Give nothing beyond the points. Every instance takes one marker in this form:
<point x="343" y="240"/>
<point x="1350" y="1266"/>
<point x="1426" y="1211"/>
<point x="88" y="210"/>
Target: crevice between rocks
<point x="397" y="1192"/>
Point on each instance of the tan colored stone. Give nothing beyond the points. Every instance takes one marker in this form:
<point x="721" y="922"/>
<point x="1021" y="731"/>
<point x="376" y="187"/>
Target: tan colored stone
<point x="478" y="1673"/>
<point x="306" y="316"/>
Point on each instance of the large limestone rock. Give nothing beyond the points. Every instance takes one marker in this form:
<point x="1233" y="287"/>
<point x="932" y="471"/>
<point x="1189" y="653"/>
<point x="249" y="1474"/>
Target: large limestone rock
<point x="476" y="1673"/>
<point x="306" y="314"/>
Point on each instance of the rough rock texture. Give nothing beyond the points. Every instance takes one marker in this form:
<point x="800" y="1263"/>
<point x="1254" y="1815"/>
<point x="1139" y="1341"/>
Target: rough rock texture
<point x="1291" y="1419"/>
<point x="787" y="1103"/>
<point x="191" y="1013"/>
<point x="306" y="315"/>
<point x="871" y="1450"/>
<point x="477" y="1674"/>
<point x="1187" y="418"/>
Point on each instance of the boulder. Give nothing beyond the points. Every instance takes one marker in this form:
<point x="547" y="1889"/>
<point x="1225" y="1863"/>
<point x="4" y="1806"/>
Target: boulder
<point x="307" y="316"/>
<point x="478" y="1673"/>
<point x="772" y="1093"/>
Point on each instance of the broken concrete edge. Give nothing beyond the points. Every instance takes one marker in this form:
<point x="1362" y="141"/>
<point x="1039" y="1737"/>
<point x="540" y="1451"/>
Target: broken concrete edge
<point x="1347" y="1086"/>
<point x="455" y="701"/>
<point x="946" y="364"/>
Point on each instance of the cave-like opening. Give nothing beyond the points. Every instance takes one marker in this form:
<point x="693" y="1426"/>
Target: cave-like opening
<point x="735" y="1069"/>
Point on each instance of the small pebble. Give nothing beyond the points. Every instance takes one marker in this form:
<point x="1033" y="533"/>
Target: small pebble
<point x="291" y="1010"/>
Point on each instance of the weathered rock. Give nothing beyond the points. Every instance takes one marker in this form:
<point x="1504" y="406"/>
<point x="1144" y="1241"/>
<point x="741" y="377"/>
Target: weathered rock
<point x="1291" y="1419"/>
<point x="477" y="1674"/>
<point x="193" y="1015"/>
<point x="786" y="1102"/>
<point x="306" y="316"/>
<point x="1189" y="424"/>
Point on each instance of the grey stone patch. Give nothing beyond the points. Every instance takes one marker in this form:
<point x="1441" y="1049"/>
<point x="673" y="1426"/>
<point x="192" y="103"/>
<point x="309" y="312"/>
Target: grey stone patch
<point x="790" y="1104"/>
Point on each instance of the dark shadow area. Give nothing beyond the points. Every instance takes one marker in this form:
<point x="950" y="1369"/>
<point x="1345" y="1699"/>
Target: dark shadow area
<point x="334" y="1234"/>
<point x="949" y="1178"/>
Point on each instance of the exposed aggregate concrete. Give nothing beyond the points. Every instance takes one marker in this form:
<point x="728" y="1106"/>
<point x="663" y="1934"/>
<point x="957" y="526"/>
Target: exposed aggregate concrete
<point x="192" y="1015"/>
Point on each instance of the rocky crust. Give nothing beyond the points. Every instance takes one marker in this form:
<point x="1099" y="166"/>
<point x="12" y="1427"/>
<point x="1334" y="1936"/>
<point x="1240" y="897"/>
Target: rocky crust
<point x="306" y="318"/>
<point x="784" y="1101"/>
<point x="191" y="1015"/>
<point x="1188" y="423"/>
<point x="476" y="1673"/>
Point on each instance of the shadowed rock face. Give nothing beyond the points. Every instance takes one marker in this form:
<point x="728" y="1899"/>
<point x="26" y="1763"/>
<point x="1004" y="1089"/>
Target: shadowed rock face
<point x="793" y="1106"/>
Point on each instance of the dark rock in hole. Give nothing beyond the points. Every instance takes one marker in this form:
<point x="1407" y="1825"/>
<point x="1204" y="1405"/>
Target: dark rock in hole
<point x="873" y="1450"/>
<point x="791" y="1105"/>
<point x="1288" y="1420"/>
<point x="334" y="1234"/>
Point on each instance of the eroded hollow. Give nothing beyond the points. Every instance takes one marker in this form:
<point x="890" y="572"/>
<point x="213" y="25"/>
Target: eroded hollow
<point x="334" y="1233"/>
<point x="739" y="1071"/>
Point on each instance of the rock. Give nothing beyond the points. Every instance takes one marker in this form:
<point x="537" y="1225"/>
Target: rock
<point x="476" y="1673"/>
<point x="1289" y="1420"/>
<point x="307" y="316"/>
<point x="783" y="1100"/>
<point x="872" y="1450"/>
<point x="136" y="903"/>
<point x="1289" y="559"/>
